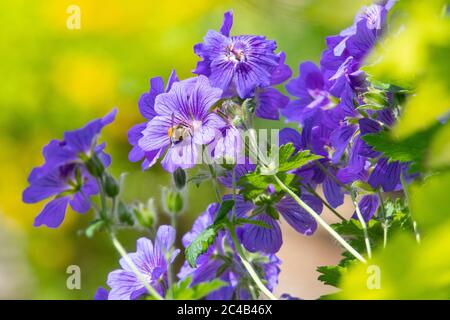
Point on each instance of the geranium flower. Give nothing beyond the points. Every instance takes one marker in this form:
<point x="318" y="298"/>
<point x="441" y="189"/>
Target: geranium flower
<point x="183" y="123"/>
<point x="246" y="65"/>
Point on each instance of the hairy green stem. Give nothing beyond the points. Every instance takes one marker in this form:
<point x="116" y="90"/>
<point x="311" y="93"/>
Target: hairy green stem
<point x="385" y="222"/>
<point x="239" y="248"/>
<point x="103" y="213"/>
<point x="364" y="226"/>
<point x="247" y="264"/>
<point x="320" y="221"/>
<point x="214" y="183"/>
<point x="171" y="277"/>
<point x="120" y="249"/>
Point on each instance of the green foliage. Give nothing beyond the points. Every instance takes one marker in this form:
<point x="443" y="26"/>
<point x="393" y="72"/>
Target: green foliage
<point x="183" y="290"/>
<point x="416" y="58"/>
<point x="331" y="275"/>
<point x="415" y="55"/>
<point x="254" y="183"/>
<point x="430" y="203"/>
<point x="289" y="161"/>
<point x="202" y="242"/>
<point x="225" y="208"/>
<point x="201" y="176"/>
<point x="410" y="149"/>
<point x="200" y="245"/>
<point x="438" y="156"/>
<point x="258" y="223"/>
<point x="95" y="226"/>
<point x="257" y="182"/>
<point x="407" y="270"/>
<point x="397" y="221"/>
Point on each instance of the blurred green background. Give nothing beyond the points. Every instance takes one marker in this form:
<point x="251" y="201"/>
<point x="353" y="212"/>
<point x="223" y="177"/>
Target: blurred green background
<point x="54" y="79"/>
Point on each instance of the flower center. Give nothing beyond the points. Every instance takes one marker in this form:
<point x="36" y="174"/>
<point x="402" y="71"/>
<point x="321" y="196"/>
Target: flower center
<point x="178" y="133"/>
<point x="234" y="54"/>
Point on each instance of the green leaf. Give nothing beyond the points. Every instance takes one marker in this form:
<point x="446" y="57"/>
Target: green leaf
<point x="398" y="221"/>
<point x="410" y="149"/>
<point x="289" y="161"/>
<point x="362" y="187"/>
<point x="200" y="244"/>
<point x="254" y="184"/>
<point x="439" y="151"/>
<point x="421" y="64"/>
<point x="404" y="269"/>
<point x="225" y="207"/>
<point x="331" y="275"/>
<point x="184" y="291"/>
<point x="430" y="204"/>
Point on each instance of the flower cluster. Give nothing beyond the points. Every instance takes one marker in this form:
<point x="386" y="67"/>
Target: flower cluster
<point x="199" y="120"/>
<point x="221" y="261"/>
<point x="334" y="114"/>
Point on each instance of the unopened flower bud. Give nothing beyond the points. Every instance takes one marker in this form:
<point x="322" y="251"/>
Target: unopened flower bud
<point x="173" y="201"/>
<point x="179" y="178"/>
<point x="146" y="216"/>
<point x="111" y="186"/>
<point x="95" y="166"/>
<point x="125" y="214"/>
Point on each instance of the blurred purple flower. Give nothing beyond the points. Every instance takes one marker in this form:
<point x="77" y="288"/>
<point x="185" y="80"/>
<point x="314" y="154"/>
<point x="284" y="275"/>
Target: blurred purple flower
<point x="368" y="205"/>
<point x="64" y="175"/>
<point x="101" y="294"/>
<point x="76" y="147"/>
<point x="68" y="184"/>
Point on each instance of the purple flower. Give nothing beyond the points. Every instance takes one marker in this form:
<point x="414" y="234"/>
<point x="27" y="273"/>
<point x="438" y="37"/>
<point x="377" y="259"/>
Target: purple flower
<point x="77" y="146"/>
<point x="65" y="175"/>
<point x="183" y="123"/>
<point x="147" y="109"/>
<point x="356" y="166"/>
<point x="245" y="65"/>
<point x="340" y="138"/>
<point x="309" y="87"/>
<point x="228" y="145"/>
<point x="101" y="294"/>
<point x="368" y="205"/>
<point x="269" y="240"/>
<point x="386" y="175"/>
<point x="312" y="174"/>
<point x="346" y="51"/>
<point x="240" y="170"/>
<point x="268" y="103"/>
<point x="67" y="184"/>
<point x="152" y="260"/>
<point x="221" y="261"/>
